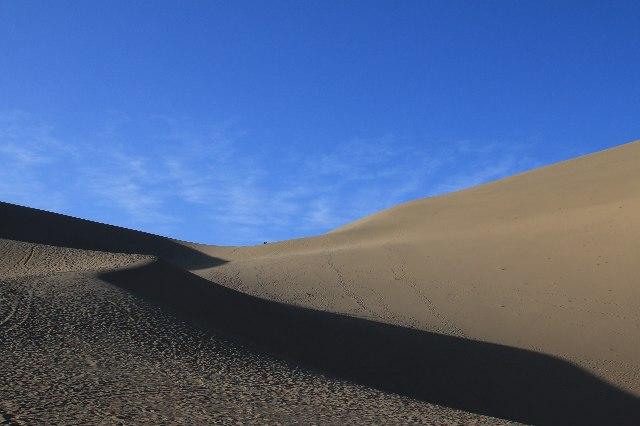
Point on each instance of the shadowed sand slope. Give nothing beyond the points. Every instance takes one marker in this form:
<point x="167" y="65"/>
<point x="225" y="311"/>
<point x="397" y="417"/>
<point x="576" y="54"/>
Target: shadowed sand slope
<point x="519" y="299"/>
<point x="99" y="337"/>
<point x="78" y="350"/>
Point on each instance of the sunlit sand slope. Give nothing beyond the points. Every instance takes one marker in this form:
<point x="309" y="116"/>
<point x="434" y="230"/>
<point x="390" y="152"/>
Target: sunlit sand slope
<point x="547" y="261"/>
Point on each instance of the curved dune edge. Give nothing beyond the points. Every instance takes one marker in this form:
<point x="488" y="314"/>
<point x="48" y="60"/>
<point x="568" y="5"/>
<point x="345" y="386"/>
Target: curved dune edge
<point x="547" y="261"/>
<point x="517" y="299"/>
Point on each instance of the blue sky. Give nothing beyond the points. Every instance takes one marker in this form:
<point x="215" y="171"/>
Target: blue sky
<point x="235" y="122"/>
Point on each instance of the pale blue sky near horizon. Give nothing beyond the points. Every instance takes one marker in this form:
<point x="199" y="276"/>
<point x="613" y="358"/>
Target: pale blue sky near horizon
<point x="237" y="122"/>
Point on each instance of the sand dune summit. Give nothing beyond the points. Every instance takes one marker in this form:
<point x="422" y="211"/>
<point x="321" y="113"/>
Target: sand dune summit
<point x="518" y="299"/>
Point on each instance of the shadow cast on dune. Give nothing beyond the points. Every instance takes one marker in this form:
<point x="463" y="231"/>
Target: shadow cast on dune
<point x="479" y="377"/>
<point x="474" y="376"/>
<point x="37" y="226"/>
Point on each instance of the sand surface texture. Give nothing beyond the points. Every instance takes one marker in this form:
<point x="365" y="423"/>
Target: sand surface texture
<point x="81" y="347"/>
<point x="518" y="299"/>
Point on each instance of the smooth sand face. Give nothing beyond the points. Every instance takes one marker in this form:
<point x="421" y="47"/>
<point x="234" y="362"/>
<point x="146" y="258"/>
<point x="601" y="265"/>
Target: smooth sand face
<point x="518" y="299"/>
<point x="547" y="261"/>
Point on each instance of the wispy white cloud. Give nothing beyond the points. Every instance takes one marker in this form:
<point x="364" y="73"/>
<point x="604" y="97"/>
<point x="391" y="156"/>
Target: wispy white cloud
<point x="27" y="152"/>
<point x="208" y="183"/>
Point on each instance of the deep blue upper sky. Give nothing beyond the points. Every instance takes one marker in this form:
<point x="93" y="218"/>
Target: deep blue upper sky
<point x="236" y="122"/>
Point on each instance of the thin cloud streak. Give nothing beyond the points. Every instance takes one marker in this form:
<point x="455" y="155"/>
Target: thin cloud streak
<point x="209" y="178"/>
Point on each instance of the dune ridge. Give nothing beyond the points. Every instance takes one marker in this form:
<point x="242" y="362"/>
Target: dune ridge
<point x="547" y="260"/>
<point x="517" y="299"/>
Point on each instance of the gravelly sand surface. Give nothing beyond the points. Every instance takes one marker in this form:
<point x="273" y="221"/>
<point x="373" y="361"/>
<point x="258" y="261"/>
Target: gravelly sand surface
<point x="78" y="350"/>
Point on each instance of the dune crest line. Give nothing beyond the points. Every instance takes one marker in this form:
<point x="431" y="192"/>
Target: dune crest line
<point x="518" y="299"/>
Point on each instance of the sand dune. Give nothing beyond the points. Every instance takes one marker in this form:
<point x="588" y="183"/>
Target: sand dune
<point x="93" y="336"/>
<point x="518" y="299"/>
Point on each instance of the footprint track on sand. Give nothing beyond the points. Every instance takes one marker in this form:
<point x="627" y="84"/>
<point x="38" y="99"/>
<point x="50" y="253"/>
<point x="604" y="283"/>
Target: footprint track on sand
<point x="18" y="298"/>
<point x="400" y="273"/>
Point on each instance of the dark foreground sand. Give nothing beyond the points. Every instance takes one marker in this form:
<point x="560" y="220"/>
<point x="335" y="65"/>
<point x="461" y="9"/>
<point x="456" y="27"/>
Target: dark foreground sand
<point x="77" y="349"/>
<point x="518" y="300"/>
